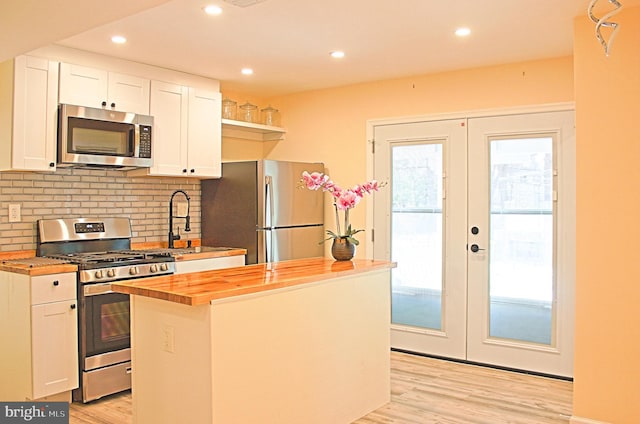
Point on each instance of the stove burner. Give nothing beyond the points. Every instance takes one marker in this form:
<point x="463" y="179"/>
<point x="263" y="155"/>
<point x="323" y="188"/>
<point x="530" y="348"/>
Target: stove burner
<point x="113" y="257"/>
<point x="96" y="267"/>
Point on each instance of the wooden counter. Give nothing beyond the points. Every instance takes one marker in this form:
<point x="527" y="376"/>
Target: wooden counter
<point x="302" y="341"/>
<point x="202" y="287"/>
<point x="37" y="266"/>
<point x="25" y="262"/>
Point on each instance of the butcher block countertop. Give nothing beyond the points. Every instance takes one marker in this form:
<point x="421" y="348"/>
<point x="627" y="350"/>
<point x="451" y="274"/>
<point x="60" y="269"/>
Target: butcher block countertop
<point x="37" y="266"/>
<point x="24" y="262"/>
<point x="200" y="288"/>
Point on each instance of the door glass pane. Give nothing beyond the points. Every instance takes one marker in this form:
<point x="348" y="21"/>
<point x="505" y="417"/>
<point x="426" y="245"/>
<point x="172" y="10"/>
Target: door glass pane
<point x="521" y="279"/>
<point x="416" y="235"/>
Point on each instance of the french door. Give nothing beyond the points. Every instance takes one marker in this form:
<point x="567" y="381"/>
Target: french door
<point x="479" y="215"/>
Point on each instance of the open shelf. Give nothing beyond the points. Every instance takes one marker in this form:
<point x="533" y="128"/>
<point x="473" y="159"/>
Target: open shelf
<point x="251" y="131"/>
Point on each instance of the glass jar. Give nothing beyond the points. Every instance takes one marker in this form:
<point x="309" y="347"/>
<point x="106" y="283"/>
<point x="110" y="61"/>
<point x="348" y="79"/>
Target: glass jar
<point x="229" y="109"/>
<point x="249" y="112"/>
<point x="270" y="116"/>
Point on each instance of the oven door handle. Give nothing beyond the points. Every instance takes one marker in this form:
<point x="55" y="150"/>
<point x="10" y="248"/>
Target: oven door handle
<point x="97" y="289"/>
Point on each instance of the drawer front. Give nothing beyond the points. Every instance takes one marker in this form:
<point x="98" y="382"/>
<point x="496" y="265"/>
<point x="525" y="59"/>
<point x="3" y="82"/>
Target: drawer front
<point x="53" y="288"/>
<point x="183" y="267"/>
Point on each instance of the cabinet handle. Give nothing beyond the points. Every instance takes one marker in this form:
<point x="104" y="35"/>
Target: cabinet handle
<point x="104" y="104"/>
<point x="51" y="164"/>
<point x="184" y="170"/>
<point x="73" y="306"/>
<point x="56" y="283"/>
<point x="193" y="170"/>
<point x="113" y="105"/>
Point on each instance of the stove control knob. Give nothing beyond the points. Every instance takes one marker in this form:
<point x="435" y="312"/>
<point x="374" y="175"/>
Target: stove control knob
<point x="99" y="274"/>
<point x="111" y="273"/>
<point x="164" y="267"/>
<point x="153" y="268"/>
<point x="133" y="270"/>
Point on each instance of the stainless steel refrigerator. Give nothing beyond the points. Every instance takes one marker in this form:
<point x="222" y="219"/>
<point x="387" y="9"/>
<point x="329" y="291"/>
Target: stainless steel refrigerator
<point x="257" y="205"/>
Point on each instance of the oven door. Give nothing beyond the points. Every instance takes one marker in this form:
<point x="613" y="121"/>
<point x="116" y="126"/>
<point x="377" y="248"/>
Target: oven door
<point x="106" y="319"/>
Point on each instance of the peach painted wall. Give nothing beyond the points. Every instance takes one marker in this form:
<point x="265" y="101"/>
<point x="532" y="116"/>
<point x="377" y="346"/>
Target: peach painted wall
<point x="330" y="125"/>
<point x="607" y="339"/>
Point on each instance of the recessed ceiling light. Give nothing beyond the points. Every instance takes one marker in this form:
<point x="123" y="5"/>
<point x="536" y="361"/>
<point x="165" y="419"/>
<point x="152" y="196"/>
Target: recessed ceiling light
<point x="463" y="32"/>
<point x="337" y="54"/>
<point x="212" y="9"/>
<point x="247" y="71"/>
<point x="118" y="39"/>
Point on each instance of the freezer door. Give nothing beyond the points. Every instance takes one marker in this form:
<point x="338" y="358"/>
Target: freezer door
<point x="293" y="243"/>
<point x="287" y="204"/>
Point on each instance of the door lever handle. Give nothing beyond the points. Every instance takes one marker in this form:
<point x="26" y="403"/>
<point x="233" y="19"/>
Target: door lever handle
<point x="475" y="248"/>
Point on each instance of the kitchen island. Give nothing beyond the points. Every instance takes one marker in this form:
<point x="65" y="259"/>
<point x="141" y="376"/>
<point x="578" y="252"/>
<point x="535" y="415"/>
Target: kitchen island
<point x="302" y="341"/>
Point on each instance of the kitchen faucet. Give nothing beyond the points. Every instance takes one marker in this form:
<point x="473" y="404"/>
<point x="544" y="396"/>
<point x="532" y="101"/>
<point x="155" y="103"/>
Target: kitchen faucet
<point x="187" y="226"/>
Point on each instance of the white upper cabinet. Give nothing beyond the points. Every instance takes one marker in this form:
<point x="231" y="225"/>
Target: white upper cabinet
<point x="86" y="86"/>
<point x="186" y="133"/>
<point x="28" y="104"/>
<point x="169" y="108"/>
<point x="204" y="133"/>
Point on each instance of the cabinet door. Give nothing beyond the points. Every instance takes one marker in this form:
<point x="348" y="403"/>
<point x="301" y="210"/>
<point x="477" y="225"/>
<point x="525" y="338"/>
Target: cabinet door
<point x="128" y="93"/>
<point x="54" y="335"/>
<point x="81" y="85"/>
<point x="34" y="114"/>
<point x="204" y="135"/>
<point x="168" y="106"/>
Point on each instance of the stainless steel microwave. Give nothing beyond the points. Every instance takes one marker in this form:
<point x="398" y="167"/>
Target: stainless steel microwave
<point x="103" y="138"/>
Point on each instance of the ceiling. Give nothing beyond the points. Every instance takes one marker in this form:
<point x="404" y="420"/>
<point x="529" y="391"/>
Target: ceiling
<point x="287" y="42"/>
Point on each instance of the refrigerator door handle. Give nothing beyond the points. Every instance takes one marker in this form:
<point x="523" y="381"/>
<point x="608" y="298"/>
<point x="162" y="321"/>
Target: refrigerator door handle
<point x="267" y="244"/>
<point x="268" y="222"/>
<point x="268" y="192"/>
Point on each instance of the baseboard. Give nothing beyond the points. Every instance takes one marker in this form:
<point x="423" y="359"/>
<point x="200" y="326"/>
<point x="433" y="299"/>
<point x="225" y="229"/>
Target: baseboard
<point x="580" y="420"/>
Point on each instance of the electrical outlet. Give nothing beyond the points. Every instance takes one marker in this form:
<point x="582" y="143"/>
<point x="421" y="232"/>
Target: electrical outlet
<point x="168" y="339"/>
<point x="14" y="213"/>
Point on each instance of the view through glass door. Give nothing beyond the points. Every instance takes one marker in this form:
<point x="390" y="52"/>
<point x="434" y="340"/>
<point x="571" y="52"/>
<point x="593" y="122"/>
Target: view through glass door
<point x="479" y="219"/>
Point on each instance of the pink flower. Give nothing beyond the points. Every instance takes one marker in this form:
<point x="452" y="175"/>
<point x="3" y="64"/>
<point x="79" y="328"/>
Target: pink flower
<point x="343" y="200"/>
<point x="332" y="187"/>
<point x="371" y="186"/>
<point x="315" y="180"/>
<point x="348" y="199"/>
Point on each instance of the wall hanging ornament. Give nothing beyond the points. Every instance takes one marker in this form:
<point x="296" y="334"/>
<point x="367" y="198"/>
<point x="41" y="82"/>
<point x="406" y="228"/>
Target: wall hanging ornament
<point x="605" y="22"/>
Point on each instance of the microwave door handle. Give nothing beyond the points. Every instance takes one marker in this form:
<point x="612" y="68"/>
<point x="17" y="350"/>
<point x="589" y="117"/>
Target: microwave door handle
<point x="134" y="139"/>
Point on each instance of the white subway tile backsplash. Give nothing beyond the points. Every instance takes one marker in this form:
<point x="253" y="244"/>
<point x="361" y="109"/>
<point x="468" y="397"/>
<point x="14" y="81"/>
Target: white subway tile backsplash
<point x="92" y="193"/>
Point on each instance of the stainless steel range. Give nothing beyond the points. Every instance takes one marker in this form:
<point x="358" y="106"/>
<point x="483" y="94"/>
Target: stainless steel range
<point x="101" y="247"/>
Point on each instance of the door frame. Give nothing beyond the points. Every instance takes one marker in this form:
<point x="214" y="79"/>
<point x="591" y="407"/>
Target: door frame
<point x="523" y="110"/>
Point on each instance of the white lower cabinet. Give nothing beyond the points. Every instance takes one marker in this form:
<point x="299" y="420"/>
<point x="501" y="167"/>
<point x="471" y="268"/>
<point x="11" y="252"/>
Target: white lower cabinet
<point x="197" y="265"/>
<point x="39" y="329"/>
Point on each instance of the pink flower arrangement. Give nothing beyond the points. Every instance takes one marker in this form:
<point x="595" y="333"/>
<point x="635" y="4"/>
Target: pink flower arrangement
<point x="343" y="199"/>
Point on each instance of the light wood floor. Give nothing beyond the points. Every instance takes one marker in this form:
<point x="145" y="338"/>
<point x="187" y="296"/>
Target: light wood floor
<point x="423" y="391"/>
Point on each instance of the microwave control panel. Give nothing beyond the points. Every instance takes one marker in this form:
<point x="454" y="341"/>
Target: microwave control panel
<point x="145" y="141"/>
